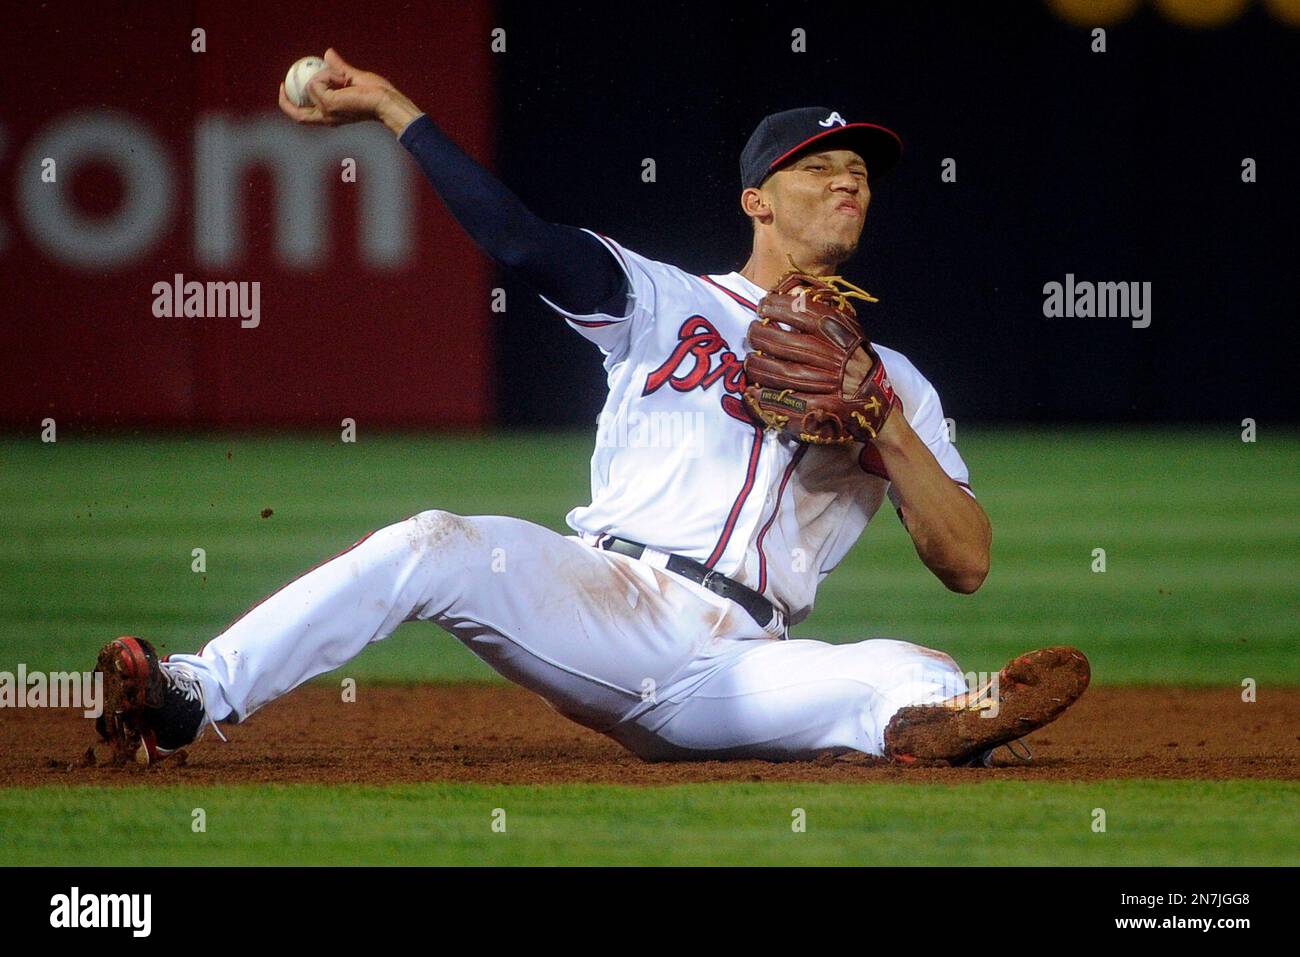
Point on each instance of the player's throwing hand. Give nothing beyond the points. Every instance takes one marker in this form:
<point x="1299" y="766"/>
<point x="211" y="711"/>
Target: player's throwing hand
<point x="342" y="94"/>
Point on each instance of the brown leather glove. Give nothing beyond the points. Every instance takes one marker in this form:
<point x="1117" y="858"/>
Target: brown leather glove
<point x="812" y="371"/>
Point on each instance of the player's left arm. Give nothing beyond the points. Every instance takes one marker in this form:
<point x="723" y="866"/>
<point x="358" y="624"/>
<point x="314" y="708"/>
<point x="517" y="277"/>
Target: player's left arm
<point x="951" y="531"/>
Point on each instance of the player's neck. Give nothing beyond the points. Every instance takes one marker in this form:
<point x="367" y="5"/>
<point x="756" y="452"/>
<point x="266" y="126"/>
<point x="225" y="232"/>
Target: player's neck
<point x="767" y="265"/>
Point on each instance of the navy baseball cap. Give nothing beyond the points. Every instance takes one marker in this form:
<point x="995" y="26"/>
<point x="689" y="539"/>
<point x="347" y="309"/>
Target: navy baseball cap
<point x="782" y="137"/>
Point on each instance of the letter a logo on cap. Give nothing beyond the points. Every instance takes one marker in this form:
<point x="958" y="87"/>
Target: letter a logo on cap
<point x="833" y="118"/>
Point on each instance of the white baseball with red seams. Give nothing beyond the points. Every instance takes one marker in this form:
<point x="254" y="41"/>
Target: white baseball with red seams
<point x="295" y="81"/>
<point x="622" y="645"/>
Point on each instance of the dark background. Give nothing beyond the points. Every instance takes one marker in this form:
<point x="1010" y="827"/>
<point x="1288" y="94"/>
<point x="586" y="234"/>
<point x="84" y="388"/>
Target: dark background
<point x="406" y="345"/>
<point x="1122" y="166"/>
<point x="1118" y="166"/>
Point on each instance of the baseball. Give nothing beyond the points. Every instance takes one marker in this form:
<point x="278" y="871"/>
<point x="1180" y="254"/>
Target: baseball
<point x="295" y="81"/>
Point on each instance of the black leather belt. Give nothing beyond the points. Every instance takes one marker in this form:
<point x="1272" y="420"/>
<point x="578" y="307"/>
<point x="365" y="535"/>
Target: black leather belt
<point x="759" y="608"/>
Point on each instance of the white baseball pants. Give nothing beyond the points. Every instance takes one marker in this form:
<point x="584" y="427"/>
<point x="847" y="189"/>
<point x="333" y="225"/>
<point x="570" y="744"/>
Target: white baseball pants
<point x="660" y="664"/>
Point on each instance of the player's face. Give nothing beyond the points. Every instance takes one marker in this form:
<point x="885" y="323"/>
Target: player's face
<point x="820" y="201"/>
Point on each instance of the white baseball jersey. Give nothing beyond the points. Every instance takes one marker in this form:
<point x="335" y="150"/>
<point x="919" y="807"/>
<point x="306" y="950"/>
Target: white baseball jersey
<point x="680" y="464"/>
<point x="661" y="664"/>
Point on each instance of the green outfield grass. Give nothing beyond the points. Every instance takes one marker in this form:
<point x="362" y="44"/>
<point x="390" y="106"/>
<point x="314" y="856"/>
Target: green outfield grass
<point x="989" y="823"/>
<point x="1201" y="532"/>
<point x="1203" y="559"/>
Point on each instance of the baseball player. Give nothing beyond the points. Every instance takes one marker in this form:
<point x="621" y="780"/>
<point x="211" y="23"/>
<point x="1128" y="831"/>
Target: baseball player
<point x="751" y="433"/>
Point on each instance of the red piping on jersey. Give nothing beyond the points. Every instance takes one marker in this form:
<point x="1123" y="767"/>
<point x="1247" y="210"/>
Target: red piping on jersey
<point x="734" y="295"/>
<point x="601" y="323"/>
<point x="287" y="584"/>
<point x="762" y="559"/>
<point x="736" y="506"/>
<point x="754" y="451"/>
<point x="870" y="462"/>
<point x="613" y="247"/>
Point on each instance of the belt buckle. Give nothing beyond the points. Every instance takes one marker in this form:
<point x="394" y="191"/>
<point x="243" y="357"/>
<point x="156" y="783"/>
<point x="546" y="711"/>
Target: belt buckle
<point x="707" y="580"/>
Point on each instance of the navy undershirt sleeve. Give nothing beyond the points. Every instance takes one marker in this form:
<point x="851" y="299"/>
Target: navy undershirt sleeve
<point x="571" y="268"/>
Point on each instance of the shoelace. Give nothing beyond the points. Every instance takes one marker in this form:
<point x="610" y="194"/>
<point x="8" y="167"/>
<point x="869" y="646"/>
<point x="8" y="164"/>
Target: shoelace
<point x="1024" y="755"/>
<point x="841" y="290"/>
<point x="183" y="679"/>
<point x="1017" y="748"/>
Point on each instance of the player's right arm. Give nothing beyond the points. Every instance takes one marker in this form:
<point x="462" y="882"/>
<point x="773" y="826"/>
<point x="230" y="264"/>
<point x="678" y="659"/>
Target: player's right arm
<point x="929" y="485"/>
<point x="569" y="267"/>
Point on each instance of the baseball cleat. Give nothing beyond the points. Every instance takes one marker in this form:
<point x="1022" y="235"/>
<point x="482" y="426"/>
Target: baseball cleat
<point x="1028" y="693"/>
<point x="152" y="708"/>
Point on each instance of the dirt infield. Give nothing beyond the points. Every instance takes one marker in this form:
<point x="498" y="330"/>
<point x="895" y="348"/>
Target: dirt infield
<point x="499" y="734"/>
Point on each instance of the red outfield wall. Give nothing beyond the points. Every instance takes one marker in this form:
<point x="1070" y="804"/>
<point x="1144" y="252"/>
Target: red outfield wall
<point x="372" y="303"/>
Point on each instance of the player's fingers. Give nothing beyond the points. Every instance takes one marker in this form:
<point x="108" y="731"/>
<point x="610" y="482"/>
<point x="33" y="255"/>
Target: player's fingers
<point x="775" y="374"/>
<point x="285" y="105"/>
<point x="351" y="104"/>
<point x="791" y="311"/>
<point x="351" y="75"/>
<point x="329" y="76"/>
<point x="339" y="65"/>
<point x="771" y="340"/>
<point x="319" y="90"/>
<point x="299" y="114"/>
